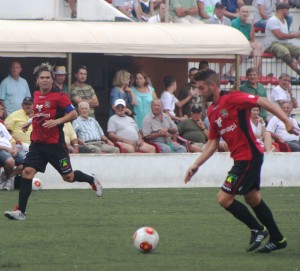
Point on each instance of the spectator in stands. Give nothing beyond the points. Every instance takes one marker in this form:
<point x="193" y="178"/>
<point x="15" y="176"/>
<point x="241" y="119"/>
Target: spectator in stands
<point x="156" y="3"/>
<point x="147" y="9"/>
<point x="90" y="133"/>
<point x="72" y="4"/>
<point x="218" y="17"/>
<point x="10" y="158"/>
<point x="73" y="145"/>
<point x="14" y="88"/>
<point x="127" y="6"/>
<point x="160" y="16"/>
<point x="123" y="130"/>
<point x="232" y="8"/>
<point x="3" y="113"/>
<point x="277" y="38"/>
<point x="263" y="10"/>
<point x="279" y="132"/>
<point x="245" y="25"/>
<point x="60" y="78"/>
<point x="80" y="91"/>
<point x="283" y="92"/>
<point x="169" y="101"/>
<point x="15" y="121"/>
<point x="194" y="130"/>
<point x="122" y="90"/>
<point x="259" y="129"/>
<point x="206" y="8"/>
<point x="252" y="86"/>
<point x="144" y="94"/>
<point x="184" y="11"/>
<point x="158" y="128"/>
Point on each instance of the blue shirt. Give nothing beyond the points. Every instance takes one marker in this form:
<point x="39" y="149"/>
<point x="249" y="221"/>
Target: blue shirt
<point x="13" y="93"/>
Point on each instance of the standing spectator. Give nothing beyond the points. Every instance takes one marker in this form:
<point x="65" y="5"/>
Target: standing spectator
<point x="277" y="38"/>
<point x="144" y="94"/>
<point x="244" y="25"/>
<point x="127" y="6"/>
<point x="184" y="11"/>
<point x="160" y="16"/>
<point x="14" y="88"/>
<point x="206" y="8"/>
<point x="283" y="92"/>
<point x="279" y="132"/>
<point x="252" y="86"/>
<point x="60" y="78"/>
<point x="158" y="128"/>
<point x="122" y="90"/>
<point x="47" y="142"/>
<point x="90" y="133"/>
<point x="15" y="121"/>
<point x="123" y="130"/>
<point x="219" y="16"/>
<point x="80" y="91"/>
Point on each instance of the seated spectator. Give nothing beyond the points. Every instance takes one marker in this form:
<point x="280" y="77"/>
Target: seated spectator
<point x="72" y="4"/>
<point x="194" y="130"/>
<point x="144" y="94"/>
<point x="283" y="92"/>
<point x="278" y="131"/>
<point x="244" y="25"/>
<point x="122" y="90"/>
<point x="3" y="113"/>
<point x="147" y="9"/>
<point x="252" y="86"/>
<point x="160" y="16"/>
<point x="127" y="6"/>
<point x="169" y="100"/>
<point x="184" y="11"/>
<point x="232" y="8"/>
<point x="123" y="130"/>
<point x="90" y="133"/>
<point x="219" y="17"/>
<point x="206" y="8"/>
<point x="158" y="128"/>
<point x="263" y="10"/>
<point x="15" y="121"/>
<point x="14" y="88"/>
<point x="277" y="38"/>
<point x="60" y="78"/>
<point x="10" y="158"/>
<point x="259" y="129"/>
<point x="73" y="145"/>
<point x="82" y="92"/>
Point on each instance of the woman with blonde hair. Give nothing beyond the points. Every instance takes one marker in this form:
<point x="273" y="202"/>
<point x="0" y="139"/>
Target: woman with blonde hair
<point x="121" y="90"/>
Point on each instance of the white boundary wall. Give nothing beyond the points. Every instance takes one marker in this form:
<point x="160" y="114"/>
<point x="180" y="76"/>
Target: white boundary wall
<point x="168" y="170"/>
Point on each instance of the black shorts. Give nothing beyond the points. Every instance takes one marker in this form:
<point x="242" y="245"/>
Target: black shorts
<point x="244" y="176"/>
<point x="40" y="155"/>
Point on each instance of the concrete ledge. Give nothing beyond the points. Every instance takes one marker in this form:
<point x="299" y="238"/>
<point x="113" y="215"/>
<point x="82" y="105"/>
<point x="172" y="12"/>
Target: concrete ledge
<point x="168" y="170"/>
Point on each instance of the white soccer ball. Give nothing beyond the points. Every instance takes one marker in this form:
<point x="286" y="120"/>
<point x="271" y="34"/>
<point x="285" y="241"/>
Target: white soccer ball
<point x="146" y="239"/>
<point x="37" y="184"/>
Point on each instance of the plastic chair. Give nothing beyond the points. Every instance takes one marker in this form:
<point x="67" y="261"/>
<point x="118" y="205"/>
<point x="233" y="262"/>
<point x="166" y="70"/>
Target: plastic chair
<point x="283" y="147"/>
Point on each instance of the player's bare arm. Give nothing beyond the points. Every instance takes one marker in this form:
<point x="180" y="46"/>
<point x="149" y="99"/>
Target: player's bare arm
<point x="210" y="147"/>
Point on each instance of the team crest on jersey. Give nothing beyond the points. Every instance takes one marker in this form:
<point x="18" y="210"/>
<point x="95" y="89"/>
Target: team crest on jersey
<point x="219" y="122"/>
<point x="47" y="104"/>
<point x="39" y="107"/>
<point x="224" y="113"/>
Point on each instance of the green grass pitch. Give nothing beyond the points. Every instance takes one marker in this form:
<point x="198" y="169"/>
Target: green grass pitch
<point x="74" y="230"/>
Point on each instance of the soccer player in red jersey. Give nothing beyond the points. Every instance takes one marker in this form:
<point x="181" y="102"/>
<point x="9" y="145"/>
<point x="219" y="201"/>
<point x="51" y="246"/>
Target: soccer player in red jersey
<point x="229" y="118"/>
<point x="52" y="108"/>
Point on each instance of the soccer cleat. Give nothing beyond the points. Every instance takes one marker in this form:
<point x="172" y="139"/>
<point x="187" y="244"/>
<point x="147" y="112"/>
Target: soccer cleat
<point x="15" y="215"/>
<point x="256" y="238"/>
<point x="272" y="245"/>
<point x="97" y="186"/>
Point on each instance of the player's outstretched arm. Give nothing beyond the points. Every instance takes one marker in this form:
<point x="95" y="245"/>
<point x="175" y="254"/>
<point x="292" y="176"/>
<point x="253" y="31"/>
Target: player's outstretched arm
<point x="210" y="147"/>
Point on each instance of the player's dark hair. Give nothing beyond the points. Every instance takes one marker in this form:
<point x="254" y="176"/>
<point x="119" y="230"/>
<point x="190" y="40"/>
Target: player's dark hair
<point x="204" y="74"/>
<point x="44" y="67"/>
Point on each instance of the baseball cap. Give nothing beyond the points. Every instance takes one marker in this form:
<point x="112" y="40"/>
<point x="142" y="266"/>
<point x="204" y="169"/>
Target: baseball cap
<point x="282" y="6"/>
<point x="196" y="109"/>
<point x="60" y="70"/>
<point x="27" y="100"/>
<point x="219" y="5"/>
<point x="120" y="102"/>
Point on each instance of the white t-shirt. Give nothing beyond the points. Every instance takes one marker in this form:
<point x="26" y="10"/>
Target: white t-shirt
<point x="278" y="93"/>
<point x="168" y="101"/>
<point x="272" y="24"/>
<point x="124" y="127"/>
<point x="209" y="6"/>
<point x="154" y="19"/>
<point x="5" y="136"/>
<point x="257" y="130"/>
<point x="267" y="4"/>
<point x="277" y="127"/>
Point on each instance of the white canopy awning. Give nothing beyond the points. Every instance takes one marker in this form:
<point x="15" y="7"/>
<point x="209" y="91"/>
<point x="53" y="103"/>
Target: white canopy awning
<point x="38" y="38"/>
